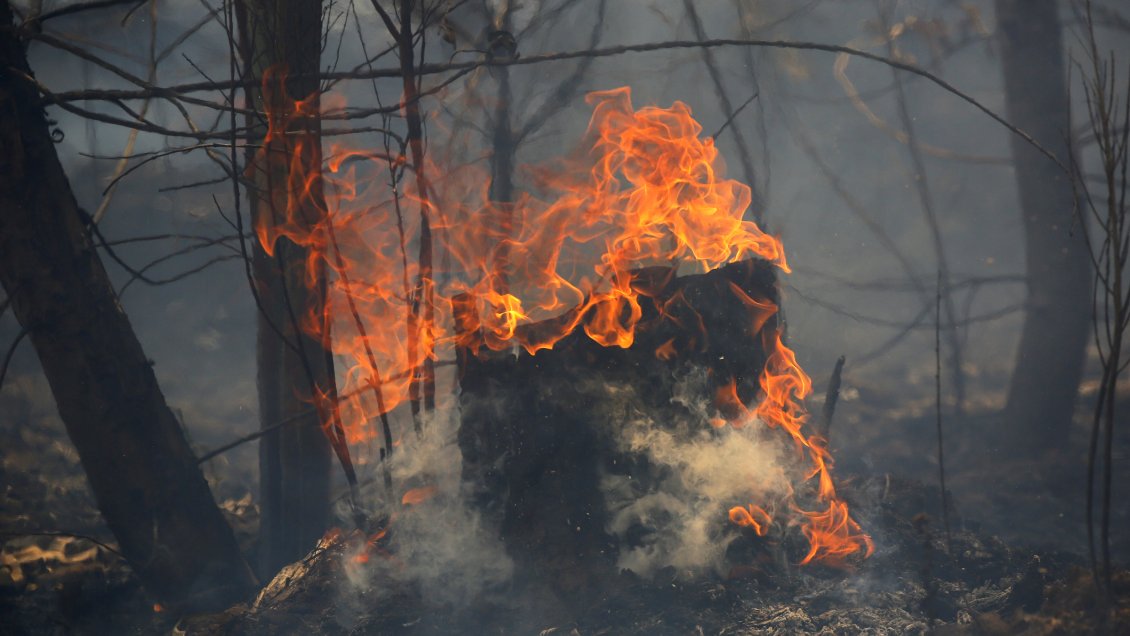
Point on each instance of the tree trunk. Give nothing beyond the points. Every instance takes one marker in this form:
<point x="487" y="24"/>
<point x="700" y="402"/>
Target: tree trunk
<point x="1049" y="360"/>
<point x="141" y="469"/>
<point x="295" y="462"/>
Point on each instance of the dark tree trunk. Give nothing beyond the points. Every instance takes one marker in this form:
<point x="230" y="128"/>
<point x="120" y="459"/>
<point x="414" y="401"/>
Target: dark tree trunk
<point x="295" y="462"/>
<point x="1049" y="360"/>
<point x="141" y="469"/>
<point x="538" y="431"/>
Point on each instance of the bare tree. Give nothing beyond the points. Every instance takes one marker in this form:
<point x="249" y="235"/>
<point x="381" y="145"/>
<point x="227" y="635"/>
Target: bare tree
<point x="143" y="473"/>
<point x="1108" y="114"/>
<point x="1049" y="360"/>
<point x="280" y="45"/>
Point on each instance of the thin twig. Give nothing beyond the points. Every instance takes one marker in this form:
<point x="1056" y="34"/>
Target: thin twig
<point x="10" y="353"/>
<point x="737" y="111"/>
<point x="831" y="397"/>
<point x="266" y="430"/>
<point x="80" y="7"/>
<point x="728" y="109"/>
<point x="431" y="69"/>
<point x="925" y="199"/>
<point x="938" y="410"/>
<point x="123" y="162"/>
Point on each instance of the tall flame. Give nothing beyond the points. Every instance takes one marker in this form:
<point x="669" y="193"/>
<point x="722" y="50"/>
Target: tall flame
<point x="646" y="189"/>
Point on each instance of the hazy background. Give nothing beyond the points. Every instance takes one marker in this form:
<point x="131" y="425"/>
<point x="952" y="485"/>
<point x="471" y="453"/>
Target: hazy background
<point x="848" y="294"/>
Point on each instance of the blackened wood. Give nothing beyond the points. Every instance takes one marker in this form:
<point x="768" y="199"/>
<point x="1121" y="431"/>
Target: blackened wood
<point x="141" y="469"/>
<point x="536" y="430"/>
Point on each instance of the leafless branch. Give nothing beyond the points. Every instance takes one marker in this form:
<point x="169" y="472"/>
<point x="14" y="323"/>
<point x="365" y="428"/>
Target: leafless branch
<point x="178" y="91"/>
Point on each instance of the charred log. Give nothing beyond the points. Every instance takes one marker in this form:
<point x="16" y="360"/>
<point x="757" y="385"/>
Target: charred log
<point x="537" y="430"/>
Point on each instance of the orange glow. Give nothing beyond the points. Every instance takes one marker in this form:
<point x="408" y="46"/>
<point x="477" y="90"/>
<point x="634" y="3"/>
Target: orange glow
<point x="833" y="536"/>
<point x="644" y="188"/>
<point x="362" y="557"/>
<point x="751" y="517"/>
<point x="666" y="351"/>
<point x="727" y="400"/>
<point x="760" y="310"/>
<point x="417" y="496"/>
<point x="157" y="607"/>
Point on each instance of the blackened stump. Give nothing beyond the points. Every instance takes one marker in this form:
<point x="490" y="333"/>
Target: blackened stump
<point x="537" y="431"/>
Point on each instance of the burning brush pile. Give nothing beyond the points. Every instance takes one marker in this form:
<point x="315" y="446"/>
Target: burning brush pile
<point x="573" y="402"/>
<point x="616" y="332"/>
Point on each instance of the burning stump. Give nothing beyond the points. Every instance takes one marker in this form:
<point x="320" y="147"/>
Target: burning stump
<point x="538" y="433"/>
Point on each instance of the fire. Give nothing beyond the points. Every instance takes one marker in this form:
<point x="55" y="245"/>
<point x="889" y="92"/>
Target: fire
<point x="753" y="517"/>
<point x="369" y="546"/>
<point x="832" y="534"/>
<point x="646" y="188"/>
<point x="418" y="496"/>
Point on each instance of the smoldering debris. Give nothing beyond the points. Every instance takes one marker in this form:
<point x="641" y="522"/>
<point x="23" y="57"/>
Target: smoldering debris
<point x="982" y="586"/>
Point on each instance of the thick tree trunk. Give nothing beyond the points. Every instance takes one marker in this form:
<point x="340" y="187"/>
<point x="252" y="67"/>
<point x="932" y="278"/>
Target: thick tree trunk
<point x="295" y="462"/>
<point x="141" y="469"/>
<point x="1049" y="361"/>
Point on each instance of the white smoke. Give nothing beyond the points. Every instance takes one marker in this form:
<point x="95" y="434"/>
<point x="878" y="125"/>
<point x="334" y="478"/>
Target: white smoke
<point x="439" y="546"/>
<point x="696" y="474"/>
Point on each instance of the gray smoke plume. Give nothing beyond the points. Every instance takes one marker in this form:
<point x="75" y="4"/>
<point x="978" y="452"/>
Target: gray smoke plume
<point x="696" y="474"/>
<point x="440" y="545"/>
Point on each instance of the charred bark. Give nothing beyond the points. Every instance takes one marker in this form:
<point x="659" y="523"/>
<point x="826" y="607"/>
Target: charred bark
<point x="295" y="462"/>
<point x="1049" y="360"/>
<point x="538" y="432"/>
<point x="141" y="469"/>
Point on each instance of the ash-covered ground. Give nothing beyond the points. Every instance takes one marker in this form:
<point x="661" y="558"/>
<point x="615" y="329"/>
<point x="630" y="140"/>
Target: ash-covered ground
<point x="916" y="582"/>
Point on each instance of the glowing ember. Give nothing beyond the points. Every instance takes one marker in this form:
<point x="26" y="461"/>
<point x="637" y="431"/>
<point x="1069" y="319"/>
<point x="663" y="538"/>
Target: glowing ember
<point x="418" y="495"/>
<point x="646" y="189"/>
<point x="751" y="517"/>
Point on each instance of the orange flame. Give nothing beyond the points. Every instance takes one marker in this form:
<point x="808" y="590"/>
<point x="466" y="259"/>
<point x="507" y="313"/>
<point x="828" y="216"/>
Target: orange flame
<point x="753" y="517"/>
<point x="645" y="189"/>
<point x="832" y="534"/>
<point x="666" y="351"/>
<point x="371" y="545"/>
<point x="418" y="496"/>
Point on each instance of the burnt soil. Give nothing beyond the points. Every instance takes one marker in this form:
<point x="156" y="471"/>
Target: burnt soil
<point x="59" y="573"/>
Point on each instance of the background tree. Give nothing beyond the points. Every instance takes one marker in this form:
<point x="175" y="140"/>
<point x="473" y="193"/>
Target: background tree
<point x="1053" y="341"/>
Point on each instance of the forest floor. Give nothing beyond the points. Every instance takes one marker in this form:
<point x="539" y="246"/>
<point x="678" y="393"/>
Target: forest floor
<point x="1016" y="563"/>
